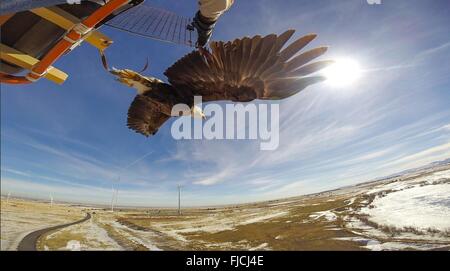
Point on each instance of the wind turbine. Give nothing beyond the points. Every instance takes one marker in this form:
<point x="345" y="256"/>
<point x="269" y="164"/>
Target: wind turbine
<point x="113" y="198"/>
<point x="7" y="198"/>
<point x="115" y="192"/>
<point x="51" y="200"/>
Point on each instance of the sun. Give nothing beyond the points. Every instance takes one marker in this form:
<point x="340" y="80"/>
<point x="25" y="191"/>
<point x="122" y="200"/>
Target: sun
<point x="343" y="72"/>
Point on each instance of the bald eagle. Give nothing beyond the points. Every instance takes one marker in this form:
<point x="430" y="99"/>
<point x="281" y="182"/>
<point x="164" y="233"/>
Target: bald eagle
<point x="239" y="71"/>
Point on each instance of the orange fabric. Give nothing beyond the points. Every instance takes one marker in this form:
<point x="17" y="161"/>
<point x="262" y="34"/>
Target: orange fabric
<point x="63" y="45"/>
<point x="11" y="79"/>
<point x="5" y="18"/>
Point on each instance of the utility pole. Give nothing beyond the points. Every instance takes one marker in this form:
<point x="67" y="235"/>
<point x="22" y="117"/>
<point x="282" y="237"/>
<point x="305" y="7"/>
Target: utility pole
<point x="112" y="199"/>
<point x="179" y="199"/>
<point x="115" y="191"/>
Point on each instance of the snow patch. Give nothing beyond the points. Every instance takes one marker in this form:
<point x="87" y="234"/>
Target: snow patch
<point x="262" y="218"/>
<point x="73" y="245"/>
<point x="263" y="246"/>
<point x="328" y="215"/>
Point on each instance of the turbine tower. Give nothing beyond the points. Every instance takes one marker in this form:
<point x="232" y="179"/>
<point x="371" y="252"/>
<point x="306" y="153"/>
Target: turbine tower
<point x="113" y="198"/>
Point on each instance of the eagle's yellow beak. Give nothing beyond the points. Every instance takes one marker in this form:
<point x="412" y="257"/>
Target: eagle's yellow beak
<point x="125" y="76"/>
<point x="125" y="81"/>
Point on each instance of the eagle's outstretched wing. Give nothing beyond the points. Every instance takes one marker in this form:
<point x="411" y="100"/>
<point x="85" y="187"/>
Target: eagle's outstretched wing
<point x="246" y="69"/>
<point x="145" y="116"/>
<point x="241" y="71"/>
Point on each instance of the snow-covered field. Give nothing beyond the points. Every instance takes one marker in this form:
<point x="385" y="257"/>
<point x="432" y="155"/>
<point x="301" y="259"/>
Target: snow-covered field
<point x="406" y="214"/>
<point x="89" y="236"/>
<point x="421" y="207"/>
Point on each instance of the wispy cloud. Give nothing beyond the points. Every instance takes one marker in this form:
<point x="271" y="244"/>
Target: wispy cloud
<point x="412" y="62"/>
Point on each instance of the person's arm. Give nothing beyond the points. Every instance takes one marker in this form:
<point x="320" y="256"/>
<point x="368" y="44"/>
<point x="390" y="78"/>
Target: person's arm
<point x="206" y="17"/>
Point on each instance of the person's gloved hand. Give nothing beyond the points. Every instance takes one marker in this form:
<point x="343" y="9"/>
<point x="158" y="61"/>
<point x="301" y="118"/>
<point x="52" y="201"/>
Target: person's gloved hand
<point x="204" y="28"/>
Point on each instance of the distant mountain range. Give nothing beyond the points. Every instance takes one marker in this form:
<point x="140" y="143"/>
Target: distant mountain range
<point x="408" y="171"/>
<point x="439" y="163"/>
<point x="428" y="166"/>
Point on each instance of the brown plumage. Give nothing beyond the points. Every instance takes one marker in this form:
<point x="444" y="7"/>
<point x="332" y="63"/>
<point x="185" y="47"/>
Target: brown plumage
<point x="240" y="71"/>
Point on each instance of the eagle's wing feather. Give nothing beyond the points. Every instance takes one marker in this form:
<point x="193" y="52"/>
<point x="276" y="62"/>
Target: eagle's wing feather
<point x="248" y="68"/>
<point x="145" y="116"/>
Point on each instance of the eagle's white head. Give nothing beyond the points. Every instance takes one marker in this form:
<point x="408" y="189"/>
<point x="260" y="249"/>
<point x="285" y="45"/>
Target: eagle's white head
<point x="197" y="112"/>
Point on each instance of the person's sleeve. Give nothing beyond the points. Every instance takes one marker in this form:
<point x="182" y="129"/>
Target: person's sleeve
<point x="212" y="9"/>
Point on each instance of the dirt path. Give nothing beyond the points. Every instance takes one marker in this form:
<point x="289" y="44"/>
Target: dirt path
<point x="29" y="242"/>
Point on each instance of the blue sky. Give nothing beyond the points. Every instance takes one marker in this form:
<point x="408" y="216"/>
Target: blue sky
<point x="71" y="141"/>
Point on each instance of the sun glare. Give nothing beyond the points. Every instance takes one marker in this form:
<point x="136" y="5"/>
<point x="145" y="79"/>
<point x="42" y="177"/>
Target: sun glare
<point x="344" y="72"/>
